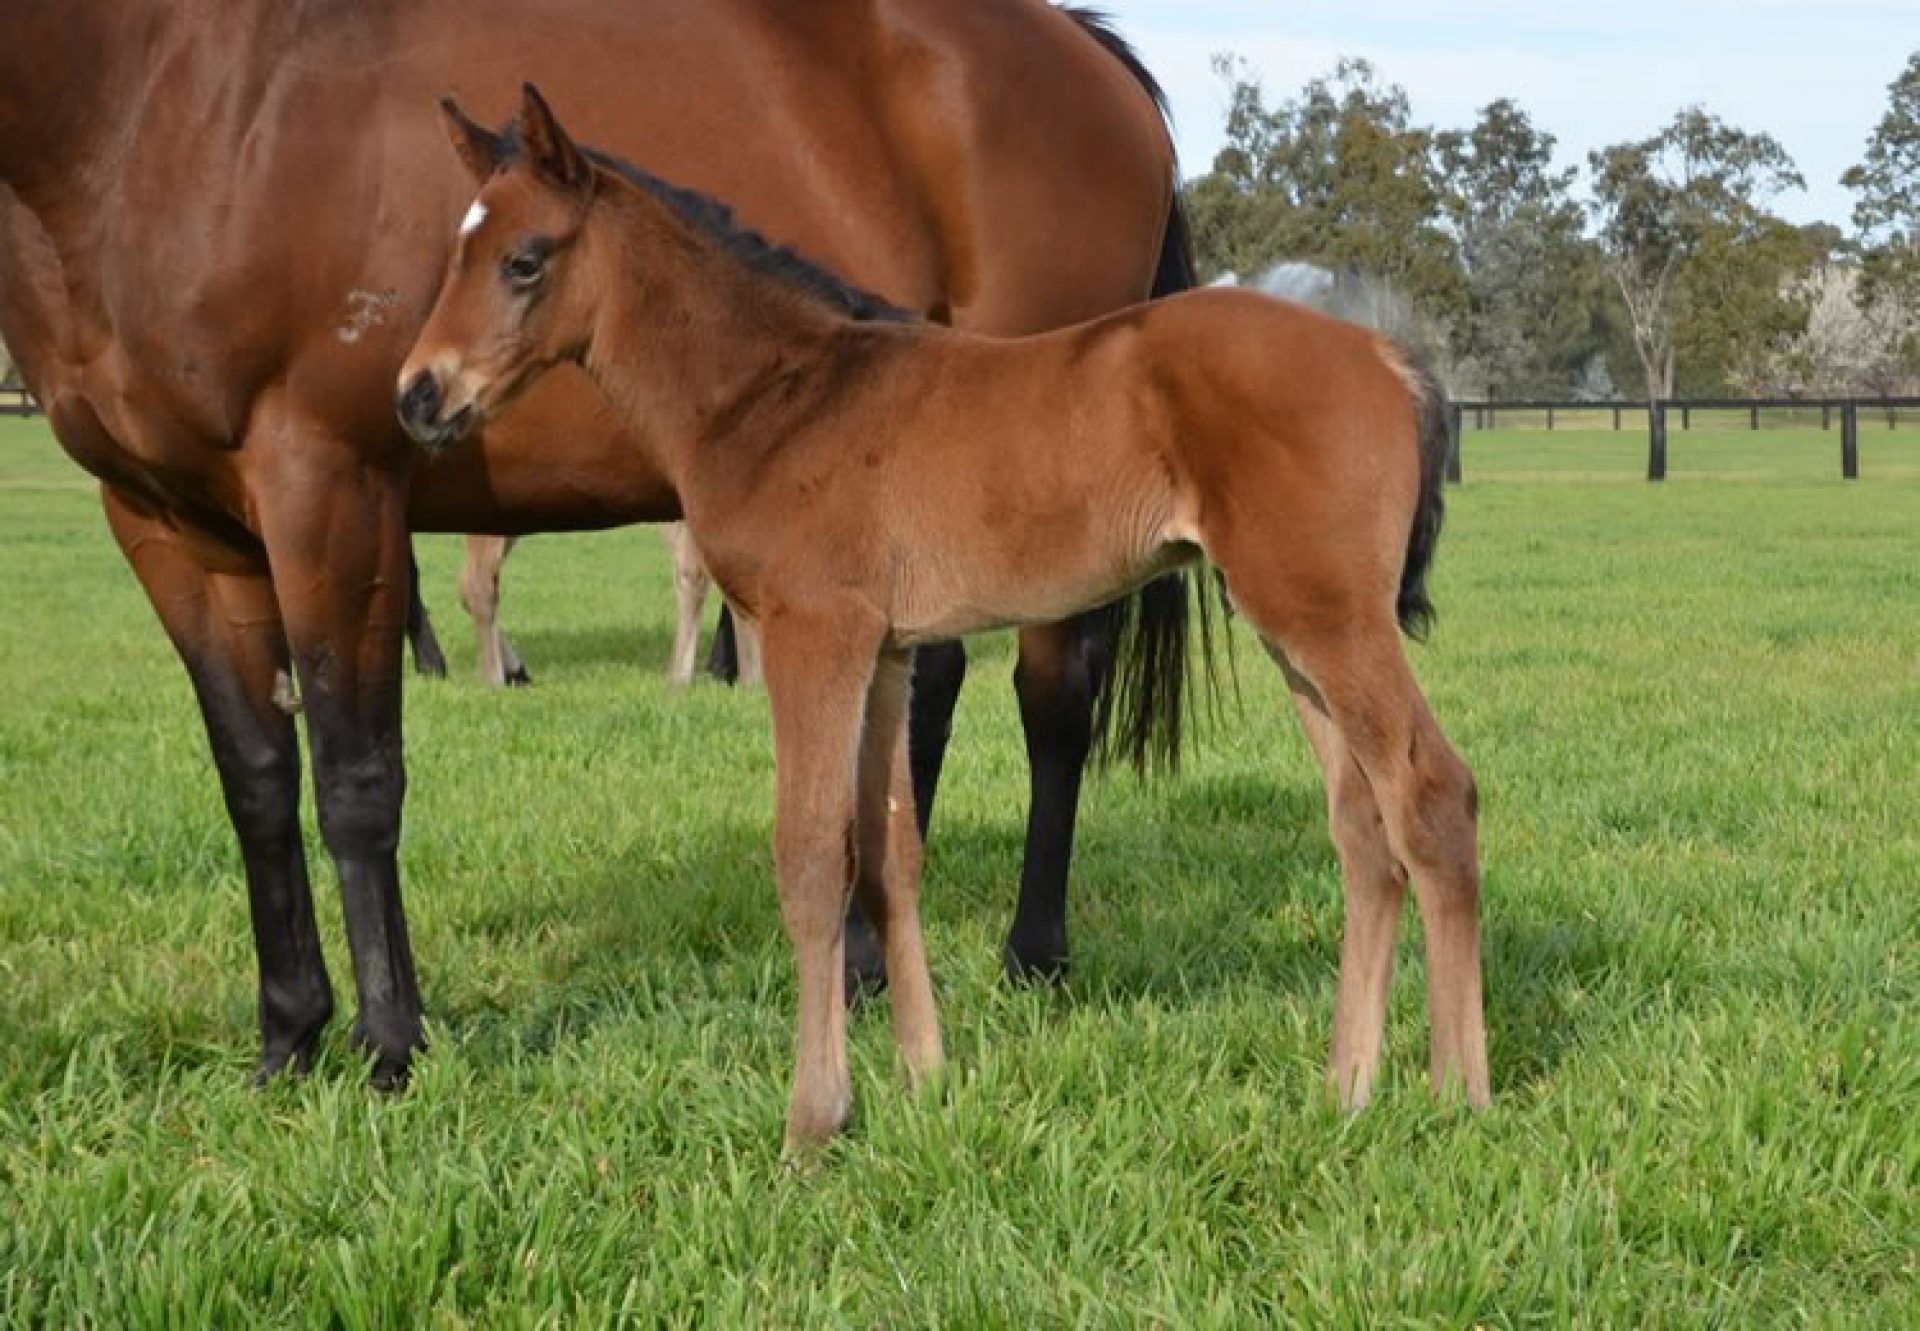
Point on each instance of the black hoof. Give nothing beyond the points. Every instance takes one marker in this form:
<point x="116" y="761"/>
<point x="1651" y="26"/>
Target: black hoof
<point x="391" y="1061"/>
<point x="1035" y="964"/>
<point x="295" y="1062"/>
<point x="518" y="678"/>
<point x="430" y="664"/>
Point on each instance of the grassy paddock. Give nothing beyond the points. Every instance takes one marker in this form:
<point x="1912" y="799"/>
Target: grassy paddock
<point x="1693" y="712"/>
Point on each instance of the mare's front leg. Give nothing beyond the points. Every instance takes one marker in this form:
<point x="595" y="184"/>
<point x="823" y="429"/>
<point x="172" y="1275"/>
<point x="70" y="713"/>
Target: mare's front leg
<point x="218" y="607"/>
<point x="336" y="537"/>
<point x="428" y="659"/>
<point x="819" y="664"/>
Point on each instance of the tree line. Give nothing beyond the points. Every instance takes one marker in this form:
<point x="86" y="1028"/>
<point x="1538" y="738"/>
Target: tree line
<point x="1668" y="275"/>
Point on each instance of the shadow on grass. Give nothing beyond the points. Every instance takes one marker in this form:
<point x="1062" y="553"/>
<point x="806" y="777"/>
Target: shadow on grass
<point x="644" y="647"/>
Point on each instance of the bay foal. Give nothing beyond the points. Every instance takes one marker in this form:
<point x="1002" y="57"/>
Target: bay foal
<point x="860" y="484"/>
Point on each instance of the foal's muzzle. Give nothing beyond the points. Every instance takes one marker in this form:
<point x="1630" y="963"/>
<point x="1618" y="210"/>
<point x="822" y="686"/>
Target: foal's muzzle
<point x="421" y="405"/>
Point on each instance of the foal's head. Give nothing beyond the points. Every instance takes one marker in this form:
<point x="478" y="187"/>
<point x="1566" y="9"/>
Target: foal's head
<point x="516" y="299"/>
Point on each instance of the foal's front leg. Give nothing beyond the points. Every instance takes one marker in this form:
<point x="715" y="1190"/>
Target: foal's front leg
<point x="819" y="664"/>
<point x="887" y="877"/>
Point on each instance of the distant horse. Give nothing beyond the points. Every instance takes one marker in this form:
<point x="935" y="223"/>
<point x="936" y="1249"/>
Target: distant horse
<point x="861" y="484"/>
<point x="221" y="225"/>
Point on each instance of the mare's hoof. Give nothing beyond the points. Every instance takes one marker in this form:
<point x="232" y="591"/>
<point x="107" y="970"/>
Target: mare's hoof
<point x="296" y="1062"/>
<point x="1034" y="964"/>
<point x="866" y="963"/>
<point x="391" y="1060"/>
<point x="518" y="678"/>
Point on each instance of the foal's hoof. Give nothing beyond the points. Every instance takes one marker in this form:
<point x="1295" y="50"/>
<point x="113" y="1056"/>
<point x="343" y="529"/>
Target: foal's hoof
<point x="518" y="678"/>
<point x="1034" y="965"/>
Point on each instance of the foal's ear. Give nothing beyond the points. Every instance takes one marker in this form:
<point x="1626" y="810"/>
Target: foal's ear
<point x="549" y="151"/>
<point x="478" y="148"/>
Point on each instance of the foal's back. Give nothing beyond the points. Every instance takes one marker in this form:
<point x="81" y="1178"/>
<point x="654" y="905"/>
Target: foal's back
<point x="977" y="482"/>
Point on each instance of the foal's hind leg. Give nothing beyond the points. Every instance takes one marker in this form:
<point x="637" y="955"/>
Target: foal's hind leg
<point x="1428" y="808"/>
<point x="1375" y="888"/>
<point x="1402" y="804"/>
<point x="887" y="880"/>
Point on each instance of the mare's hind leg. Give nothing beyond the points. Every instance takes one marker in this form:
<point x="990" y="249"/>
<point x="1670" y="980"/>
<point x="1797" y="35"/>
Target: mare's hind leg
<point x="480" y="594"/>
<point x="819" y="665"/>
<point x="690" y="583"/>
<point x="887" y="878"/>
<point x="1059" y="673"/>
<point x="226" y="626"/>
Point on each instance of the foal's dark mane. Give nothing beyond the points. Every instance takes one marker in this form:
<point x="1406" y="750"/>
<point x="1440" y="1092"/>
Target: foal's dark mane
<point x="715" y="220"/>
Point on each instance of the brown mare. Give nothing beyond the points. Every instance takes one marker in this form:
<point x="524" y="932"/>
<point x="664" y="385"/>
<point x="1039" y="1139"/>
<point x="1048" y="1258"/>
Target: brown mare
<point x="222" y="222"/>
<point x="860" y="485"/>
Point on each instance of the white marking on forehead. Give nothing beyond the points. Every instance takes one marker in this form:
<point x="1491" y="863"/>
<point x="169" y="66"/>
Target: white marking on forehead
<point x="475" y="216"/>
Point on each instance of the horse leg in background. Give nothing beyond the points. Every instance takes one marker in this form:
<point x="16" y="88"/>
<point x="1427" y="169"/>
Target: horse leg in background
<point x="938" y="671"/>
<point x="343" y="602"/>
<point x="887" y="873"/>
<point x="227" y="629"/>
<point x="820" y="666"/>
<point x="428" y="659"/>
<point x="690" y="583"/>
<point x="746" y="640"/>
<point x="1059" y="674"/>
<point x="480" y="593"/>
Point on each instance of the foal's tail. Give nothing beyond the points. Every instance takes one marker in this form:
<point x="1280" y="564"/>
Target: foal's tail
<point x="1414" y="607"/>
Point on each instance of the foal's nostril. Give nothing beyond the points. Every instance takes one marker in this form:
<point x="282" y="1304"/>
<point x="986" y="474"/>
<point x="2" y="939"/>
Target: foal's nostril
<point x="419" y="405"/>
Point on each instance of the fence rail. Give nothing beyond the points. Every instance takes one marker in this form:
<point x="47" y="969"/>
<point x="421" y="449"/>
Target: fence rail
<point x="1485" y="415"/>
<point x="17" y="402"/>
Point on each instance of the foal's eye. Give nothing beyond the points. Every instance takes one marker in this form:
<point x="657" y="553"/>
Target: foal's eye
<point x="523" y="268"/>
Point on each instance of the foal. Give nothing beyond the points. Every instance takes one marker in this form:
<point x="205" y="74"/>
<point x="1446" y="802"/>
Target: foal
<point x="859" y="485"/>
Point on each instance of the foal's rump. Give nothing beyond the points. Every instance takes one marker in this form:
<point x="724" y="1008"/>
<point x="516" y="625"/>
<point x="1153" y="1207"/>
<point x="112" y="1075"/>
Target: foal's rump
<point x="1327" y="437"/>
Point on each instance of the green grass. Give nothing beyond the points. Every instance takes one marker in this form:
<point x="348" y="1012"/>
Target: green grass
<point x="1694" y="711"/>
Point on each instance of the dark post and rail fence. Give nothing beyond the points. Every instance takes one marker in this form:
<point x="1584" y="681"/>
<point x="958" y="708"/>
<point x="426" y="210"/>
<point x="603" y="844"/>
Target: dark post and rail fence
<point x="1485" y="415"/>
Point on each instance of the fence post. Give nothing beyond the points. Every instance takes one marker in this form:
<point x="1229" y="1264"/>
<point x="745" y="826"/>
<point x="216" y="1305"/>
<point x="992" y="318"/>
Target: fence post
<point x="1657" y="440"/>
<point x="1826" y="415"/>
<point x="1850" y="441"/>
<point x="1686" y="420"/>
<point x="1753" y="418"/>
<point x="1455" y="419"/>
<point x="1616" y="420"/>
<point x="1549" y="418"/>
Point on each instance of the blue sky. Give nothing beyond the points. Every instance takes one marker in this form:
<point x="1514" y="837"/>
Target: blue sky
<point x="1813" y="73"/>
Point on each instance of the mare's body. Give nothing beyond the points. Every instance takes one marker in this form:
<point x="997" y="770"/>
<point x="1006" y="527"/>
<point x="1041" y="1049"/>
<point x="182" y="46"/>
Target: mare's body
<point x="222" y="222"/>
<point x="860" y="486"/>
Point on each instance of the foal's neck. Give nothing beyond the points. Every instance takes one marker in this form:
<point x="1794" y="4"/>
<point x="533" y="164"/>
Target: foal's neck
<point x="695" y="347"/>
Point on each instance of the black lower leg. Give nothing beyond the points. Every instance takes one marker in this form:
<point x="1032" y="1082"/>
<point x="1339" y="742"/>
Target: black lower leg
<point x="1056" y="713"/>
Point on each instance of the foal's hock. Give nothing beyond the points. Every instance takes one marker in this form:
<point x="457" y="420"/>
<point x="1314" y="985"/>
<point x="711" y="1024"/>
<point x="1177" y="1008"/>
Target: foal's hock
<point x="860" y="484"/>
